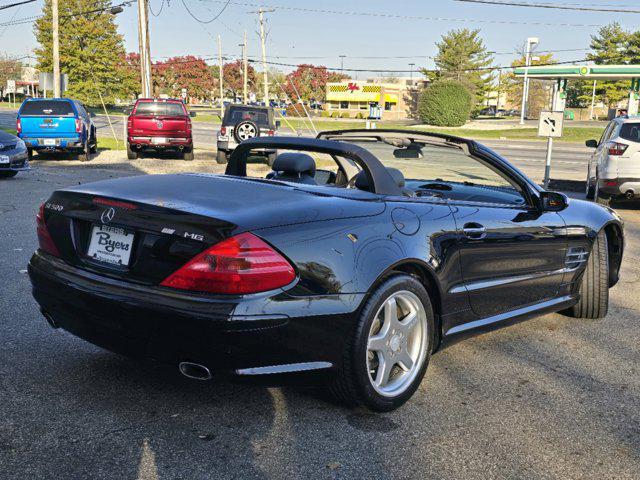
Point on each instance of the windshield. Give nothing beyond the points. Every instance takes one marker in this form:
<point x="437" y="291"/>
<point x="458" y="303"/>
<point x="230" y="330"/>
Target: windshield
<point x="235" y="115"/>
<point x="55" y="108"/>
<point x="631" y="132"/>
<point x="160" y="108"/>
<point x="432" y="166"/>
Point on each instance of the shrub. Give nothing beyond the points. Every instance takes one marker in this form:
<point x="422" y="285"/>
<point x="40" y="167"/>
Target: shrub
<point x="344" y="115"/>
<point x="325" y="113"/>
<point x="446" y="103"/>
<point x="335" y="114"/>
<point x="295" y="110"/>
<point x="359" y="115"/>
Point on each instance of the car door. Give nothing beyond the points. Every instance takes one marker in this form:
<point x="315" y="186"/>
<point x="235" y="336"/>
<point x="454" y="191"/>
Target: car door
<point x="600" y="155"/>
<point x="511" y="252"/>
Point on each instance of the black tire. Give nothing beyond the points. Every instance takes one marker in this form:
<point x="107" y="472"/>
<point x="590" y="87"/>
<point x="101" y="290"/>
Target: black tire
<point x="93" y="145"/>
<point x="271" y="158"/>
<point x="221" y="157"/>
<point x="598" y="196"/>
<point x="352" y="385"/>
<point x="30" y="153"/>
<point x="131" y="154"/>
<point x="594" y="286"/>
<point x="8" y="174"/>
<point x="83" y="155"/>
<point x="187" y="155"/>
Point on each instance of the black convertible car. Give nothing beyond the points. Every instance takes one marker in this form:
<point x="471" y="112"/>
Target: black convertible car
<point x="361" y="254"/>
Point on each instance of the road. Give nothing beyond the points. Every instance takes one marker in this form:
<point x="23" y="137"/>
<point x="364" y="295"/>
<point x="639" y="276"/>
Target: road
<point x="550" y="398"/>
<point x="569" y="160"/>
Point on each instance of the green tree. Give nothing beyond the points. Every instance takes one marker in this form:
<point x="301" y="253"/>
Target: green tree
<point x="91" y="50"/>
<point x="10" y="69"/>
<point x="539" y="90"/>
<point x="610" y="46"/>
<point x="463" y="56"/>
<point x="189" y="72"/>
<point x="446" y="103"/>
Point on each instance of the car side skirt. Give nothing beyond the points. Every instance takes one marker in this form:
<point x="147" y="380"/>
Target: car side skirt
<point x="483" y="325"/>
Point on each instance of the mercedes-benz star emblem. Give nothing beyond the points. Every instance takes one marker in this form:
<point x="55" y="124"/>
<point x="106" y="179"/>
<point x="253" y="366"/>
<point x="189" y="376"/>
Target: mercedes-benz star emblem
<point x="108" y="215"/>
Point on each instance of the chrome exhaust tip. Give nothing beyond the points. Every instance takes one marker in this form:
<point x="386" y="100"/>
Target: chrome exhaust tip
<point x="194" y="371"/>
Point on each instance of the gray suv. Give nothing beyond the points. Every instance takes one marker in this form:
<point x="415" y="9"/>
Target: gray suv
<point x="241" y="122"/>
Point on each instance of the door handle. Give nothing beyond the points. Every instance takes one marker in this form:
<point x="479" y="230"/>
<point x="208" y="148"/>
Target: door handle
<point x="474" y="231"/>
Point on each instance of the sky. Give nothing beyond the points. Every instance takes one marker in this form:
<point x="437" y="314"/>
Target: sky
<point x="354" y="28"/>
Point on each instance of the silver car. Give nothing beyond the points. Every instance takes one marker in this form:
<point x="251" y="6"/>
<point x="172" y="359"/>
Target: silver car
<point x="614" y="166"/>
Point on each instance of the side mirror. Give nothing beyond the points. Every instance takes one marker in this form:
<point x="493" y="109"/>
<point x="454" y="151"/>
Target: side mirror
<point x="278" y="123"/>
<point x="192" y="114"/>
<point x="553" y="201"/>
<point x="591" y="143"/>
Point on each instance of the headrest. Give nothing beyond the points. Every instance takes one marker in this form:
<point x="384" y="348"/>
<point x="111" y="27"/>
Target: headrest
<point x="362" y="181"/>
<point x="295" y="162"/>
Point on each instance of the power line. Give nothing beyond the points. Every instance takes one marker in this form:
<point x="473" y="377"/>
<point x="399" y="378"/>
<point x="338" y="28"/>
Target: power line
<point x="546" y="5"/>
<point x="407" y="17"/>
<point x="159" y="11"/>
<point x="206" y="21"/>
<point x="4" y="7"/>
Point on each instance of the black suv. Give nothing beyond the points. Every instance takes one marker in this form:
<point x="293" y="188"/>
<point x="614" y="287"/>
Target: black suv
<point x="241" y="122"/>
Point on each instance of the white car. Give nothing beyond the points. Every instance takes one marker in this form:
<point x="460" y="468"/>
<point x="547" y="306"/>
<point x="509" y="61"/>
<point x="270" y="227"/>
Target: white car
<point x="614" y="166"/>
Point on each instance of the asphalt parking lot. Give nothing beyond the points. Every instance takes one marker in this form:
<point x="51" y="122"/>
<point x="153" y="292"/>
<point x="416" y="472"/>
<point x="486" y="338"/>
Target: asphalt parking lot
<point x="550" y="398"/>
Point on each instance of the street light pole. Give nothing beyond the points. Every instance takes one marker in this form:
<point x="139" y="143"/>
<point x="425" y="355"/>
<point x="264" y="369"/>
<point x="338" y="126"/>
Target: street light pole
<point x="341" y="63"/>
<point x="593" y="99"/>
<point x="221" y="76"/>
<point x="56" y="48"/>
<point x="531" y="41"/>
<point x="411" y="65"/>
<point x="265" y="73"/>
<point x="244" y="69"/>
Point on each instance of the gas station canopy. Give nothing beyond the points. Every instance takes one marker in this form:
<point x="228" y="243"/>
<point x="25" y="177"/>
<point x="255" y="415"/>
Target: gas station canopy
<point x="592" y="72"/>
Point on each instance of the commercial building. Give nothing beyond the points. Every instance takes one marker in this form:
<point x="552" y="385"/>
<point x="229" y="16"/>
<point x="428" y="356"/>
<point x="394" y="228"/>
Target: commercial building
<point x="374" y="98"/>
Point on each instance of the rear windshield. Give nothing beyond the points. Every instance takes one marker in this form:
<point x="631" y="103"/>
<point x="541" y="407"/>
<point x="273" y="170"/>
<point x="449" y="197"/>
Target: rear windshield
<point x="631" y="132"/>
<point x="235" y="115"/>
<point x="159" y="108"/>
<point x="47" y="107"/>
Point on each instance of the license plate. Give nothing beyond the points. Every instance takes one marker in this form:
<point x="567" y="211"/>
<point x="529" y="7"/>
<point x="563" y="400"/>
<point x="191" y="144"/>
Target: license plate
<point x="49" y="142"/>
<point x="158" y="140"/>
<point x="110" y="245"/>
<point x="4" y="159"/>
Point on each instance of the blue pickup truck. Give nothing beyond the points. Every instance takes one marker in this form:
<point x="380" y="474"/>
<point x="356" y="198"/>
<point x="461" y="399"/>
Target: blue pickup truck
<point x="56" y="125"/>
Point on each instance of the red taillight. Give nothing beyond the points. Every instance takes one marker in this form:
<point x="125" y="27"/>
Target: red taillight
<point x="223" y="131"/>
<point x="18" y="126"/>
<point x="617" y="149"/>
<point x="44" y="237"/>
<point x="78" y="125"/>
<point x="271" y="133"/>
<point x="239" y="265"/>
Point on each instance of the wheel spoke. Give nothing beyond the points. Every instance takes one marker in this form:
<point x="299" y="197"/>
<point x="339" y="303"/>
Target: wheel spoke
<point x="391" y="312"/>
<point x="405" y="360"/>
<point x="409" y="322"/>
<point x="377" y="343"/>
<point x="385" y="365"/>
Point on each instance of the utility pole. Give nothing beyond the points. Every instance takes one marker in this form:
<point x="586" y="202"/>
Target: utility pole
<point x="221" y="76"/>
<point x="532" y="41"/>
<point x="411" y="65"/>
<point x="56" y="48"/>
<point x="265" y="74"/>
<point x="341" y="63"/>
<point x="145" y="52"/>
<point x="495" y="113"/>
<point x="244" y="69"/>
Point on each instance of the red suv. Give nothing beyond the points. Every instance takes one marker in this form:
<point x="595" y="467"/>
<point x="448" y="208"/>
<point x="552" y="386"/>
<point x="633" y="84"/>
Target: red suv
<point x="159" y="124"/>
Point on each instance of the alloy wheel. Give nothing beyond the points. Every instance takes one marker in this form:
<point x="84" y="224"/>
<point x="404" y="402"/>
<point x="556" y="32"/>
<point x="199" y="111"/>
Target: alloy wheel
<point x="396" y="344"/>
<point x="246" y="131"/>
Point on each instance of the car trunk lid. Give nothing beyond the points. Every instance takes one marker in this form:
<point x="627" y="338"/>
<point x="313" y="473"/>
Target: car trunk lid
<point x="159" y="126"/>
<point x="165" y="220"/>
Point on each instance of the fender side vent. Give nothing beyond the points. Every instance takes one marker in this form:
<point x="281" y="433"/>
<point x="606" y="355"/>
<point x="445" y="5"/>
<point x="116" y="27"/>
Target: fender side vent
<point x="576" y="257"/>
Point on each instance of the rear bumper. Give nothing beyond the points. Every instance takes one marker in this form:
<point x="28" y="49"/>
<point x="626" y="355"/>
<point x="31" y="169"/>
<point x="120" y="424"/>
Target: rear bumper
<point x="51" y="144"/>
<point x="147" y="142"/>
<point x="155" y="323"/>
<point x="629" y="187"/>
